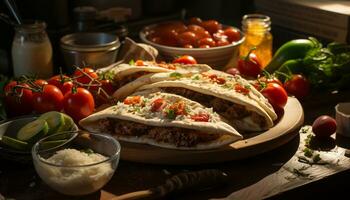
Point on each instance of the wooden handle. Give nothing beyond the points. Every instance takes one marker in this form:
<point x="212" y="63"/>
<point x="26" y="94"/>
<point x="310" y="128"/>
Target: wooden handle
<point x="134" y="195"/>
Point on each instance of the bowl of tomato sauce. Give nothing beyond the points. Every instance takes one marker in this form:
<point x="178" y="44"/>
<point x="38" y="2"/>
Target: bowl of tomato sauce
<point x="208" y="41"/>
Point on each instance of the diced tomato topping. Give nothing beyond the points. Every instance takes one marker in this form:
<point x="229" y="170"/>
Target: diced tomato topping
<point x="139" y="63"/>
<point x="214" y="78"/>
<point x="220" y="80"/>
<point x="158" y="105"/>
<point x="179" y="108"/>
<point x="239" y="88"/>
<point x="167" y="66"/>
<point x="132" y="100"/>
<point x="202" y="117"/>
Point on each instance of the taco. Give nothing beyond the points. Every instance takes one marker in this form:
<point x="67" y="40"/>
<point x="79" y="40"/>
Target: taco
<point x="128" y="77"/>
<point x="232" y="97"/>
<point x="164" y="120"/>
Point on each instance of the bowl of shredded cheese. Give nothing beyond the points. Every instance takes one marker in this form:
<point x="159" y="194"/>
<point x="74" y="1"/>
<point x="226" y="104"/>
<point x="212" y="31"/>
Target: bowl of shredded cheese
<point x="80" y="165"/>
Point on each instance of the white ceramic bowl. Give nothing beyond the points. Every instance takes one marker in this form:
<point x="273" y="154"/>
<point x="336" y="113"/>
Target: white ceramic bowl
<point x="216" y="57"/>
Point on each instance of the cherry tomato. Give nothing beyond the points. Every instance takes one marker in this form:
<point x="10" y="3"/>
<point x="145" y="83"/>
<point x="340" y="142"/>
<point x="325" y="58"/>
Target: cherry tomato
<point x="324" y="126"/>
<point x="233" y="71"/>
<point x="158" y="105"/>
<point x="195" y="20"/>
<point x="211" y="26"/>
<point x="102" y="93"/>
<point x="40" y="82"/>
<point x="185" y="59"/>
<point x="168" y="37"/>
<point x="62" y="82"/>
<point x="132" y="100"/>
<point x="199" y="31"/>
<point x="187" y="37"/>
<point x="188" y="46"/>
<point x="232" y="34"/>
<point x="202" y="117"/>
<point x="204" y="46"/>
<point x="275" y="94"/>
<point x="78" y="104"/>
<point x="82" y="76"/>
<point x="262" y="81"/>
<point x="219" y="36"/>
<point x="18" y="101"/>
<point x="222" y="42"/>
<point x="249" y="65"/>
<point x="206" y="41"/>
<point x="298" y="86"/>
<point x="49" y="99"/>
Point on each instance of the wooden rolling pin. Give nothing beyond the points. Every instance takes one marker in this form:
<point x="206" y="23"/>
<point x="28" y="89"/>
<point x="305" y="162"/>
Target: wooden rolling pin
<point x="203" y="179"/>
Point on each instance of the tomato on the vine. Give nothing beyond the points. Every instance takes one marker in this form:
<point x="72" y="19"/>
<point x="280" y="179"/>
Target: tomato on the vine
<point x="63" y="82"/>
<point x="48" y="99"/>
<point x="85" y="75"/>
<point x="298" y="86"/>
<point x="18" y="98"/>
<point x="261" y="82"/>
<point x="78" y="103"/>
<point x="185" y="59"/>
<point x="249" y="65"/>
<point x="275" y="94"/>
<point x="103" y="92"/>
<point x="40" y="82"/>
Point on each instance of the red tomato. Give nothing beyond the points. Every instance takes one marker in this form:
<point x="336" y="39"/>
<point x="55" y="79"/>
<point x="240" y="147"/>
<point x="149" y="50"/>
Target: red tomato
<point x="275" y="94"/>
<point x="223" y="42"/>
<point x="102" y="93"/>
<point x="199" y="31"/>
<point x="206" y="41"/>
<point x="158" y="105"/>
<point x="195" y="20"/>
<point x="188" y="46"/>
<point x="179" y="108"/>
<point x="232" y="34"/>
<point x="78" y="104"/>
<point x="240" y="89"/>
<point x="82" y="75"/>
<point x="49" y="99"/>
<point x="298" y="86"/>
<point x="249" y="65"/>
<point x="187" y="37"/>
<point x="18" y="101"/>
<point x="132" y="100"/>
<point x="262" y="81"/>
<point x="324" y="126"/>
<point x="40" y="82"/>
<point x="62" y="82"/>
<point x="185" y="59"/>
<point x="202" y="117"/>
<point x="233" y="71"/>
<point x="211" y="26"/>
<point x="204" y="46"/>
<point x="219" y="36"/>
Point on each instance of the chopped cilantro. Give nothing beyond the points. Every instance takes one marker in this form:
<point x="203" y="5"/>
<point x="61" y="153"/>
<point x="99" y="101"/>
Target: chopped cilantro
<point x="247" y="87"/>
<point x="228" y="86"/>
<point x="196" y="77"/>
<point x="308" y="152"/>
<point x="132" y="62"/>
<point x="316" y="158"/>
<point x="170" y="114"/>
<point x="175" y="75"/>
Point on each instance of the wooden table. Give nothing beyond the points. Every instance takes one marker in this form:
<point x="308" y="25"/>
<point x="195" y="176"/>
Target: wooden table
<point x="21" y="182"/>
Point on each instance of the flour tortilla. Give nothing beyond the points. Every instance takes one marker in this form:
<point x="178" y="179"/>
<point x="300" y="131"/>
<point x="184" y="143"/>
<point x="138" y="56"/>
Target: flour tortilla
<point x="121" y="71"/>
<point x="121" y="111"/>
<point x="254" y="101"/>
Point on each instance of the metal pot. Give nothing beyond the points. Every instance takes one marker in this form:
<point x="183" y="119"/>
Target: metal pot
<point x="94" y="49"/>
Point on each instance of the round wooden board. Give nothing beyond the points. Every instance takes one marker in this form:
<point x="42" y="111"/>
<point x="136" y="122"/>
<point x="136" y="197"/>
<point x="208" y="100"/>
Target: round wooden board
<point x="281" y="133"/>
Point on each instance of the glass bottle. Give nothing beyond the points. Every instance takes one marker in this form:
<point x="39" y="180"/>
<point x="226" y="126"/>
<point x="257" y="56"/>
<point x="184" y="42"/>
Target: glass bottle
<point x="32" y="50"/>
<point x="257" y="28"/>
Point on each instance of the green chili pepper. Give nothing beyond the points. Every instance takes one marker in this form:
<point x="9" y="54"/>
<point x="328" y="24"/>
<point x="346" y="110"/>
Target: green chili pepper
<point x="293" y="49"/>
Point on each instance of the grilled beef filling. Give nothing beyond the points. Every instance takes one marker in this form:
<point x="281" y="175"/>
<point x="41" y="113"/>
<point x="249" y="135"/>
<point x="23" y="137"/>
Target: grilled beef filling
<point x="127" y="79"/>
<point x="180" y="137"/>
<point x="225" y="108"/>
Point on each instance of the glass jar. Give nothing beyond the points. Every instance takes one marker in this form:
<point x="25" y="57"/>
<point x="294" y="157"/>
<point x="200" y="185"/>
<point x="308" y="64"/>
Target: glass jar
<point x="257" y="28"/>
<point x="32" y="51"/>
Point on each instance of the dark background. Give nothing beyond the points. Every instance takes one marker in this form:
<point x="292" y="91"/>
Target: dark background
<point x="61" y="20"/>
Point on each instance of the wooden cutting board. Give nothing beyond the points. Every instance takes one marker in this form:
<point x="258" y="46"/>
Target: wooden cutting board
<point x="253" y="144"/>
